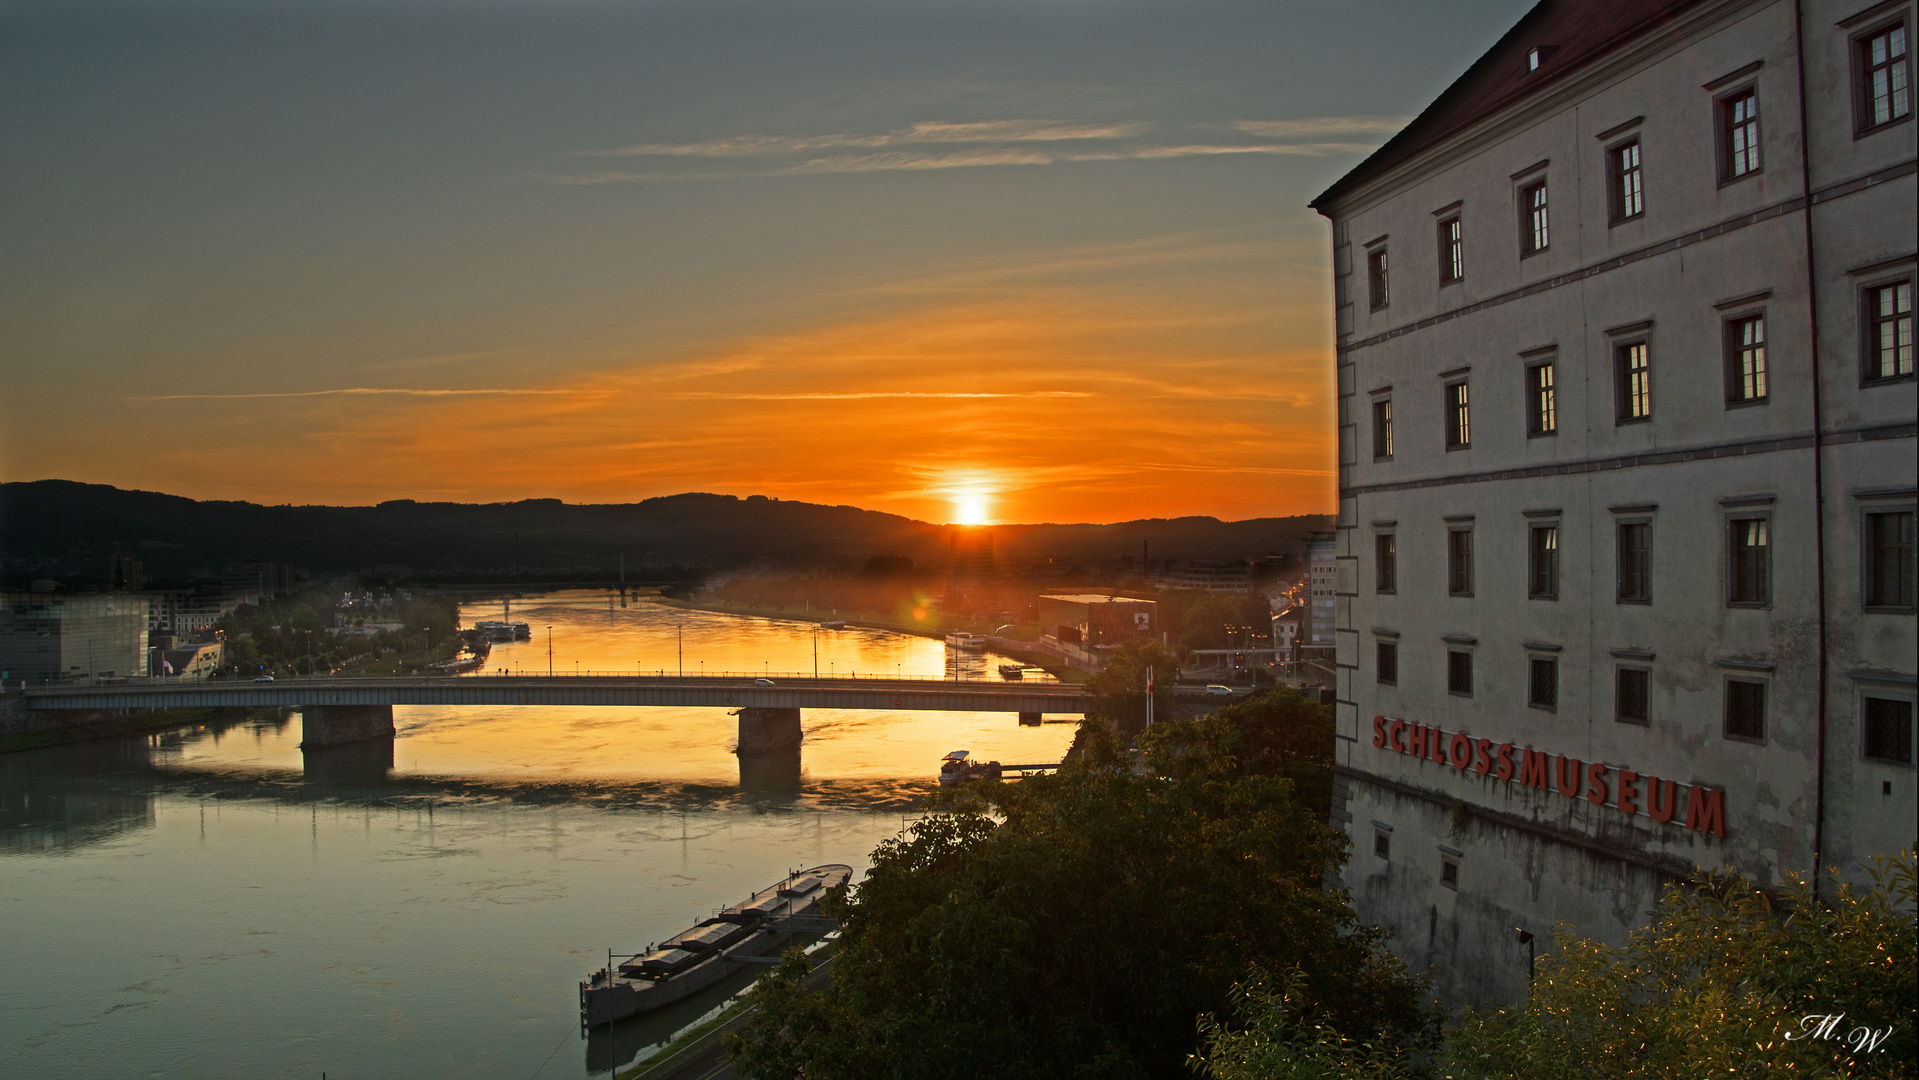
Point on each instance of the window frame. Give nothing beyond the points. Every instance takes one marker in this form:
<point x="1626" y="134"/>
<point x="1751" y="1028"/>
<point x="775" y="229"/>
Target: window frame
<point x="1535" y="662"/>
<point x="1619" y="561"/>
<point x="1620" y="671"/>
<point x="1535" y="217"/>
<point x="1732" y="547"/>
<point x="1549" y="556"/>
<point x="1385" y="674"/>
<point x="1452" y="251"/>
<point x="1726" y="125"/>
<point x="1378" y="279"/>
<point x="1885" y="693"/>
<point x="1454" y="658"/>
<point x="1869" y="562"/>
<point x="1459" y="565"/>
<point x="1459" y="414"/>
<point x="1385" y="563"/>
<point x="1859" y="47"/>
<point x="1617" y="212"/>
<point x="1869" y="321"/>
<point x="1542" y="422"/>
<point x="1765" y="701"/>
<point x="1734" y="351"/>
<point x="1383" y="429"/>
<point x="1623" y="393"/>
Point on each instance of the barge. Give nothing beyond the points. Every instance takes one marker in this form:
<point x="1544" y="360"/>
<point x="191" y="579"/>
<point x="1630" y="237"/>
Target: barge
<point x="747" y="933"/>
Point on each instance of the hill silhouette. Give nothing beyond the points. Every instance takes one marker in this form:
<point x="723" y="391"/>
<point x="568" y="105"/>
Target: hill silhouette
<point x="70" y="531"/>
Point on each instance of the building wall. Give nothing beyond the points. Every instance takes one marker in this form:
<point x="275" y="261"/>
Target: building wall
<point x="1703" y="252"/>
<point x="60" y="636"/>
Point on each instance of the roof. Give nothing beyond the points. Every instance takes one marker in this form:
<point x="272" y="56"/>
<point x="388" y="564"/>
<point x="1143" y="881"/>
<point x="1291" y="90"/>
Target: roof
<point x="1570" y="35"/>
<point x="1093" y="598"/>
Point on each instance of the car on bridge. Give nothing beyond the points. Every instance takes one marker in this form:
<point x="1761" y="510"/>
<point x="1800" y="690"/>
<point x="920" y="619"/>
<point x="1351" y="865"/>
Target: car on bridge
<point x="762" y="682"/>
<point x="263" y="678"/>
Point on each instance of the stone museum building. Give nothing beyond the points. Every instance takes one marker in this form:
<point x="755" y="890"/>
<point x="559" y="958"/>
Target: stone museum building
<point x="1627" y="472"/>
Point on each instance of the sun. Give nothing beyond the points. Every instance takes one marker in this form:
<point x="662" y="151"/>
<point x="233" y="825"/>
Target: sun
<point x="971" y="511"/>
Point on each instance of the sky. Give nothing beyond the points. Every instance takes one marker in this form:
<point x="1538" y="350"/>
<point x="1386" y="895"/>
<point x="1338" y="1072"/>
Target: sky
<point x="1038" y="261"/>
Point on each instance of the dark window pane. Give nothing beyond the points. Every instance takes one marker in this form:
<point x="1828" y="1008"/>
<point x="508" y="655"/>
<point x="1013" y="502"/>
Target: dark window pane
<point x="1746" y="359"/>
<point x="1449" y="873"/>
<point x="1887" y="95"/>
<point x="1386" y="562"/>
<point x="1459" y="428"/>
<point x="1459" y="562"/>
<point x="1889" y="559"/>
<point x="1631" y="693"/>
<point x="1459" y="672"/>
<point x="1382" y="845"/>
<point x="1542" y="417"/>
<point x="1544" y="684"/>
<point x="1889" y="331"/>
<point x="1628" y="194"/>
<point x="1635" y="562"/>
<point x="1376" y="277"/>
<point x="1452" y="255"/>
<point x="1535" y="230"/>
<point x="1742" y="134"/>
<point x="1544" y="558"/>
<point x="1745" y="709"/>
<point x="1749" y="574"/>
<point x="1382" y="429"/>
<point x="1632" y="378"/>
<point x="1889" y="730"/>
<point x="1388" y="661"/>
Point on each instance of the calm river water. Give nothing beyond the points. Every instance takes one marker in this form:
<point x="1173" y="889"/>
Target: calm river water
<point x="207" y="903"/>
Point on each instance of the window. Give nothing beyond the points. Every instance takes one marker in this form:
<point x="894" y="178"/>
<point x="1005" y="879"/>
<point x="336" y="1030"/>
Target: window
<point x="1889" y="566"/>
<point x="1542" y="578"/>
<point x="1745" y="709"/>
<point x="1627" y="189"/>
<point x="1749" y="563"/>
<point x="1459" y="562"/>
<point x="1534" y="230"/>
<point x="1739" y="119"/>
<point x="1746" y="360"/>
<point x="1382" y="845"/>
<point x="1452" y="252"/>
<point x="1884" y="90"/>
<point x="1635" y="562"/>
<point x="1376" y="276"/>
<point x="1382" y="429"/>
<point x="1542" y="686"/>
<point x="1631" y="689"/>
<point x="1542" y="413"/>
<point x="1386" y="562"/>
<point x="1459" y="425"/>
<point x="1888" y="729"/>
<point x="1459" y="673"/>
<point x="1632" y="375"/>
<point x="1888" y="325"/>
<point x="1386" y="657"/>
<point x="1448" y="873"/>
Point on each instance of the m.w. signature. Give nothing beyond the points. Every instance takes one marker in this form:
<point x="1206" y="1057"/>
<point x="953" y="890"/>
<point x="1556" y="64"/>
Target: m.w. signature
<point x="1861" y="1040"/>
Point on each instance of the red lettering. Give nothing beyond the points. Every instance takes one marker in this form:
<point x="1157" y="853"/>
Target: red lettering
<point x="1460" y="750"/>
<point x="1706" y="811"/>
<point x="1436" y="745"/>
<point x="1484" y="764"/>
<point x="1395" y="736"/>
<point x="1506" y="769"/>
<point x="1569" y="780"/>
<point x="1418" y="740"/>
<point x="1379" y="731"/>
<point x="1596" y="792"/>
<point x="1537" y="771"/>
<point x="1661" y="810"/>
<point x="1628" y="791"/>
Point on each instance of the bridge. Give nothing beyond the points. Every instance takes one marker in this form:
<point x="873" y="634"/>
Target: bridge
<point x="337" y="710"/>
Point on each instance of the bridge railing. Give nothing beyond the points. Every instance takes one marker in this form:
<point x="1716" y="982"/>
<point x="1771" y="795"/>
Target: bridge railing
<point x="777" y="678"/>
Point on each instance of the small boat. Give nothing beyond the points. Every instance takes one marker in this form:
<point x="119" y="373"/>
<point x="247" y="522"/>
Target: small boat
<point x="960" y="639"/>
<point x="746" y="933"/>
<point x="833" y="624"/>
<point x="955" y="769"/>
<point x="1012" y="671"/>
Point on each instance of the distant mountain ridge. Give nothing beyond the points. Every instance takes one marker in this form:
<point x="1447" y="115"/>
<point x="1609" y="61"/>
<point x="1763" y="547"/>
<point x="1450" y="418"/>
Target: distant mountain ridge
<point x="69" y="531"/>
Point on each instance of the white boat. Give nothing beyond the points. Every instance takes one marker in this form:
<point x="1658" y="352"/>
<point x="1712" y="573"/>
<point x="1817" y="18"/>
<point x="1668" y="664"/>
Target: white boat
<point x="960" y="639"/>
<point x="699" y="956"/>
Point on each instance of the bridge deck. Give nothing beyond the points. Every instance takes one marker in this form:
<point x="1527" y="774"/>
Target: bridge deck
<point x="703" y="692"/>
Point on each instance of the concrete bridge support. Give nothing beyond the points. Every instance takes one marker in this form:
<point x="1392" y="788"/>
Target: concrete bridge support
<point x="763" y="731"/>
<point x="335" y="725"/>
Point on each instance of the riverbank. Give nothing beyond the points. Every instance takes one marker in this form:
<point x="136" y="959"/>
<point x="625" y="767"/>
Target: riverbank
<point x="21" y="729"/>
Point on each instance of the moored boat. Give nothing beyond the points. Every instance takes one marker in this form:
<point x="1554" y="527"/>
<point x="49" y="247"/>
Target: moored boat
<point x="960" y="639"/>
<point x="701" y="955"/>
<point x="1012" y="671"/>
<point x="955" y="769"/>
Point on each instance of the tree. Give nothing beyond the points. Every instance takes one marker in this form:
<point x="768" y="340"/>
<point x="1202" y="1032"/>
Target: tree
<point x="1119" y="689"/>
<point x="1280" y="733"/>
<point x="1076" y="926"/>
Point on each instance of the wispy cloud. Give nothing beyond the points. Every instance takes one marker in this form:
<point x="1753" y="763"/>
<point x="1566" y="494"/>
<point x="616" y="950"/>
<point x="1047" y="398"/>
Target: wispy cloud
<point x="1313" y="126"/>
<point x="344" y="391"/>
<point x="863" y="395"/>
<point x="928" y="131"/>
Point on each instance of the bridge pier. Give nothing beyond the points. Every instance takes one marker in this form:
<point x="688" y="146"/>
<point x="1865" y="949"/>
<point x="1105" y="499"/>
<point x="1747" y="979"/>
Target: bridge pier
<point x="1029" y="719"/>
<point x="335" y="725"/>
<point x="763" y="731"/>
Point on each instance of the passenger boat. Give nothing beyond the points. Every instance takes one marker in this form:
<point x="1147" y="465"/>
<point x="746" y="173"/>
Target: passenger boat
<point x="955" y="769"/>
<point x="701" y="955"/>
<point x="960" y="639"/>
<point x="1012" y="671"/>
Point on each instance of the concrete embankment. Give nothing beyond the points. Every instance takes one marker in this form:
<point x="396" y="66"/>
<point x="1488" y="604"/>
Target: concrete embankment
<point x="22" y="728"/>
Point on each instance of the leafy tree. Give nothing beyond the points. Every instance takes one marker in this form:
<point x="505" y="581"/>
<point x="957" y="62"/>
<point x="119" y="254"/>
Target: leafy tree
<point x="1076" y="925"/>
<point x="1119" y="689"/>
<point x="1720" y="984"/>
<point x="1280" y="733"/>
<point x="1277" y="1041"/>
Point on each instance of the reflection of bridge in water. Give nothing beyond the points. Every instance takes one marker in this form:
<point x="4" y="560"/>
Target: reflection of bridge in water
<point x="338" y="713"/>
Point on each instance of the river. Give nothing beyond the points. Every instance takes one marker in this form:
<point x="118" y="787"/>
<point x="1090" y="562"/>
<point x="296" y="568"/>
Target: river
<point x="203" y="902"/>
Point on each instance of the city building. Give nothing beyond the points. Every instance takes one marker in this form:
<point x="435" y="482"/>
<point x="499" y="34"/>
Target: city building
<point x="1627" y="473"/>
<point x="49" y="636"/>
<point x="1083" y="627"/>
<point x="1322" y="574"/>
<point x="1223" y="577"/>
